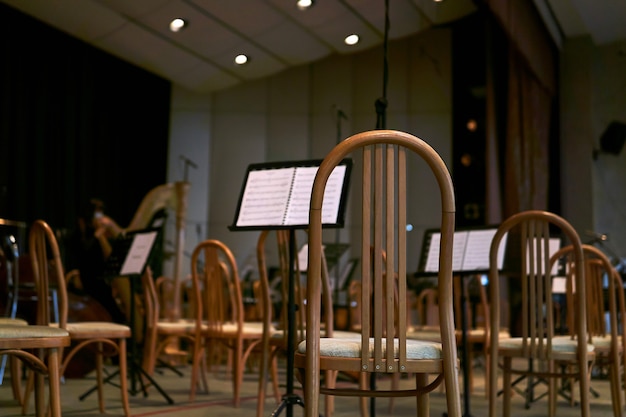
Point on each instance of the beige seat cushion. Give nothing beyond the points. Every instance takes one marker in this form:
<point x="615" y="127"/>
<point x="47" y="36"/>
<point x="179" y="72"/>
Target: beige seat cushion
<point x="9" y="331"/>
<point x="559" y="344"/>
<point x="12" y="322"/>
<point x="351" y="348"/>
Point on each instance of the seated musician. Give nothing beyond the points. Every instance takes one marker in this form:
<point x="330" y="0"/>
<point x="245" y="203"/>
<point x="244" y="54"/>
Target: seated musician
<point x="91" y="248"/>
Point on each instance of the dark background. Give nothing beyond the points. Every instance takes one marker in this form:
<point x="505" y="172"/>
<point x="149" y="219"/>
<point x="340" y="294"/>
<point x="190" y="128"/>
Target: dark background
<point x="75" y="123"/>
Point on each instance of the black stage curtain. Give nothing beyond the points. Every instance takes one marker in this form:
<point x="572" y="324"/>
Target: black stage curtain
<point x="75" y="123"/>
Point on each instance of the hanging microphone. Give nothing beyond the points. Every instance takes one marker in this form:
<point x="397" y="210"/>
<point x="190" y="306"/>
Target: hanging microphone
<point x="188" y="161"/>
<point x="340" y="113"/>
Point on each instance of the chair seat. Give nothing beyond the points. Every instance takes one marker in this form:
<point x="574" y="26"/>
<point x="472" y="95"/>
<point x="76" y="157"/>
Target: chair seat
<point x="425" y="333"/>
<point x="12" y="322"/>
<point x="430" y="334"/>
<point x="601" y="343"/>
<point x="351" y="348"/>
<point x="179" y="326"/>
<point x="253" y="328"/>
<point x="338" y="334"/>
<point x="559" y="345"/>
<point x="18" y="337"/>
<point x="90" y="329"/>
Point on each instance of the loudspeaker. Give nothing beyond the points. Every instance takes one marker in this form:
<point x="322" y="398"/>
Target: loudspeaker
<point x="613" y="138"/>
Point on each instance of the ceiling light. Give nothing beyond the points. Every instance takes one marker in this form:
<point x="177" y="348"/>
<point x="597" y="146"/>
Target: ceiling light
<point x="178" y="24"/>
<point x="241" y="59"/>
<point x="304" y="4"/>
<point x="351" y="39"/>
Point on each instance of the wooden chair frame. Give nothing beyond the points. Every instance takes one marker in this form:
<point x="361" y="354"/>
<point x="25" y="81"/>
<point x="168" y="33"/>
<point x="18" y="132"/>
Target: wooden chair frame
<point x="530" y="231"/>
<point x="381" y="151"/>
<point x="18" y="341"/>
<point x="218" y="302"/>
<point x="46" y="262"/>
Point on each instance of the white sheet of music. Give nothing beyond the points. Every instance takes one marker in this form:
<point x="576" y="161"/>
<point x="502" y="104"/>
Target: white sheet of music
<point x="477" y="250"/>
<point x="470" y="251"/>
<point x="282" y="197"/>
<point x="458" y="250"/>
<point x="265" y="197"/>
<point x="138" y="253"/>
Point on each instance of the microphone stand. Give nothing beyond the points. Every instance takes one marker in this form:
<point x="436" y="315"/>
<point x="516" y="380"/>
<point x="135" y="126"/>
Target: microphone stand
<point x="381" y="123"/>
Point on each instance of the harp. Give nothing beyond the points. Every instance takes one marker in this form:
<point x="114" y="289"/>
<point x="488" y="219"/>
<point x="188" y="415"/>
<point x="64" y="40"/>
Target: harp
<point x="172" y="197"/>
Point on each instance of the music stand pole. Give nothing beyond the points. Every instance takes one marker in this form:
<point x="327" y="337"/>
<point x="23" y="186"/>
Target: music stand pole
<point x="289" y="399"/>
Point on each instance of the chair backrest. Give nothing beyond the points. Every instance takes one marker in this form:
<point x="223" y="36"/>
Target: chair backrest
<point x="48" y="272"/>
<point x="216" y="287"/>
<point x="528" y="243"/>
<point x="384" y="190"/>
<point x="598" y="272"/>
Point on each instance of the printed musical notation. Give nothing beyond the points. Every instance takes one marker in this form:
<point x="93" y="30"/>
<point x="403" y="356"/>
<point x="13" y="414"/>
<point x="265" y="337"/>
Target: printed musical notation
<point x="281" y="196"/>
<point x="470" y="251"/>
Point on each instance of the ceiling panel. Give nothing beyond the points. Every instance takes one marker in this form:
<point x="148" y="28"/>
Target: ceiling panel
<point x="275" y="33"/>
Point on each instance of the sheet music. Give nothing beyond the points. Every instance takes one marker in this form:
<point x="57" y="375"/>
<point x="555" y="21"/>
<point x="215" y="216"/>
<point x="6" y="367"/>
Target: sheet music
<point x="458" y="249"/>
<point x="138" y="253"/>
<point x="477" y="250"/>
<point x="470" y="251"/>
<point x="265" y="197"/>
<point x="282" y="196"/>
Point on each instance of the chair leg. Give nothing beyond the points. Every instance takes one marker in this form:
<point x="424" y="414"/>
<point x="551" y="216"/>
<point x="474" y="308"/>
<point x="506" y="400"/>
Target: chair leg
<point x="506" y="387"/>
<point x="330" y="382"/>
<point x="552" y="391"/>
<point x="616" y="391"/>
<point x="238" y="366"/>
<point x="198" y="354"/>
<point x="30" y="383"/>
<point x="423" y="405"/>
<point x="100" y="376"/>
<point x="363" y="401"/>
<point x="40" y="398"/>
<point x="395" y="384"/>
<point x="54" y="381"/>
<point x="123" y="363"/>
<point x="275" y="385"/>
<point x="15" y="368"/>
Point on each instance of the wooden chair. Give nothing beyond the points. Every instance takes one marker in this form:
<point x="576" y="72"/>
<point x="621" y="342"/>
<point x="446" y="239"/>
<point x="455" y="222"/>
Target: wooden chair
<point x="14" y="361"/>
<point x="537" y="352"/>
<point x="476" y="315"/>
<point x="220" y="311"/>
<point x="47" y="342"/>
<point x="605" y="337"/>
<point x="162" y="332"/>
<point x="275" y="335"/>
<point x="274" y="328"/>
<point x="383" y="208"/>
<point x="48" y="271"/>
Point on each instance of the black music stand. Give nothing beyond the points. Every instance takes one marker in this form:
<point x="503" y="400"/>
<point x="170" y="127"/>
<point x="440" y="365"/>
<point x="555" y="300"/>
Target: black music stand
<point x="277" y="195"/>
<point x="470" y="257"/>
<point x="129" y="258"/>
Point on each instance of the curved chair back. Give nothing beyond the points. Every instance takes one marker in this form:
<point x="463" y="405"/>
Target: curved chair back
<point x="528" y="242"/>
<point x="384" y="216"/>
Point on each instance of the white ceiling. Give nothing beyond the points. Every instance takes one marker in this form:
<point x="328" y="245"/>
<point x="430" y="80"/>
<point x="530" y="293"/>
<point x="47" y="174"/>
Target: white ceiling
<point x="275" y="33"/>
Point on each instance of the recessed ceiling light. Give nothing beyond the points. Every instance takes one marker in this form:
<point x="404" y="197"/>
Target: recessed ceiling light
<point x="304" y="4"/>
<point x="351" y="39"/>
<point x="178" y="24"/>
<point x="241" y="59"/>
